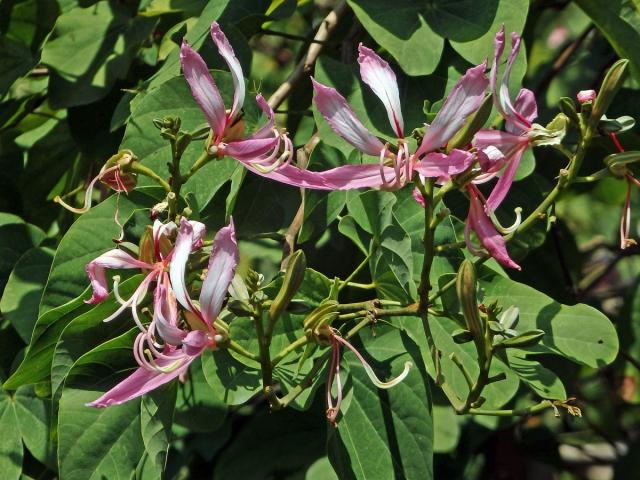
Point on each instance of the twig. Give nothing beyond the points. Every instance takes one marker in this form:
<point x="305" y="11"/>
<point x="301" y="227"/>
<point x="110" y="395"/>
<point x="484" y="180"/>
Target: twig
<point x="304" y="67"/>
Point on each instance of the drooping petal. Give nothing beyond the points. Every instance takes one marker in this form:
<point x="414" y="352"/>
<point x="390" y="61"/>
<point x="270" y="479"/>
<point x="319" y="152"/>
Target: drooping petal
<point x="199" y="230"/>
<point x="442" y="165"/>
<point x="203" y="88"/>
<point x="527" y="107"/>
<point x="342" y="119"/>
<point x="377" y="73"/>
<point x="490" y="239"/>
<point x="195" y="342"/>
<point x="222" y="267"/>
<point x="226" y="51"/>
<point x="142" y="381"/>
<point x="463" y="100"/>
<point x="114" y="259"/>
<point x="177" y="267"/>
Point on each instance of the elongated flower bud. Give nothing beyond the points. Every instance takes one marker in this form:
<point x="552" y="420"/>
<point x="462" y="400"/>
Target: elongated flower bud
<point x="317" y="323"/>
<point x="292" y="280"/>
<point x="466" y="285"/>
<point x="610" y="85"/>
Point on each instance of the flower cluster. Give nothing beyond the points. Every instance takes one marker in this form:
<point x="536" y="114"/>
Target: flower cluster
<point x="166" y="346"/>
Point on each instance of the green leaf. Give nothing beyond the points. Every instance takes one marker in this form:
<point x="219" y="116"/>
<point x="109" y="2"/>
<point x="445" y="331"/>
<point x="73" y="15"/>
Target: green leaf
<point x="22" y="294"/>
<point x="446" y="433"/>
<point x="16" y="61"/>
<point x="392" y="265"/>
<point x="233" y="382"/>
<point x="90" y="48"/>
<point x="579" y="332"/>
<point x="321" y="469"/>
<point x="91" y="235"/>
<point x="372" y="210"/>
<point x="16" y="237"/>
<point x="385" y="433"/>
<point x="156" y="418"/>
<point x="540" y="379"/>
<point x="349" y="228"/>
<point x="623" y="36"/>
<point x="402" y="28"/>
<point x="36" y="365"/>
<point x="11" y="445"/>
<point x="272" y="443"/>
<point x="87" y="331"/>
<point x="511" y="14"/>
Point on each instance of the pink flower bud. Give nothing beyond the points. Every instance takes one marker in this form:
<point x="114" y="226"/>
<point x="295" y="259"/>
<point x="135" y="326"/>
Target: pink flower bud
<point x="585" y="96"/>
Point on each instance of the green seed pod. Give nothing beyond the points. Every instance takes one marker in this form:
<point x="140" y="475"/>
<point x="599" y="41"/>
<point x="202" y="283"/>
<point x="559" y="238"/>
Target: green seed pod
<point x="466" y="285"/>
<point x="292" y="280"/>
<point x="612" y="82"/>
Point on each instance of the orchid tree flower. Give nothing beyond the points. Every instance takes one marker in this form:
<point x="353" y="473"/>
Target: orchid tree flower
<point x="165" y="350"/>
<point x="264" y="150"/>
<point x="155" y="270"/>
<point x="333" y="408"/>
<point x="396" y="165"/>
<point x="518" y="115"/>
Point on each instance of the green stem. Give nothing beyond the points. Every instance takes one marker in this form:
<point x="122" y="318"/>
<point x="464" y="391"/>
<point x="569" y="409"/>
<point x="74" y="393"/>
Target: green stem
<point x="264" y="358"/>
<point x="520" y="412"/>
<point x="147" y="172"/>
<point x="201" y="161"/>
<point x="236" y="347"/>
<point x="354" y="273"/>
<point x="299" y="343"/>
<point x="361" y="286"/>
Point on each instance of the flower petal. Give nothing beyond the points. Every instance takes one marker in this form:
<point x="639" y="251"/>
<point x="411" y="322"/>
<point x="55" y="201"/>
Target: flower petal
<point x="250" y="149"/>
<point x="222" y="267"/>
<point x="165" y="314"/>
<point x="178" y="264"/>
<point x="442" y="165"/>
<point x="463" y="100"/>
<point x="140" y="382"/>
<point x="267" y="129"/>
<point x="340" y="116"/>
<point x="114" y="259"/>
<point x="501" y="189"/>
<point x="203" y="88"/>
<point x="491" y="240"/>
<point x="527" y="107"/>
<point x="377" y="73"/>
<point x="226" y="51"/>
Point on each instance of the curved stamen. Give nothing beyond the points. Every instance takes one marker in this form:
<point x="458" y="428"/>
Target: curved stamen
<point x="625" y="220"/>
<point x="498" y="225"/>
<point x="370" y="373"/>
<point x="87" y="195"/>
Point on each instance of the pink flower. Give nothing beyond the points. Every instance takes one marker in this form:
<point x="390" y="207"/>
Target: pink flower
<point x="264" y="150"/>
<point x="585" y="96"/>
<point x="396" y="166"/>
<point x="519" y="116"/>
<point x="479" y="221"/>
<point x="333" y="409"/>
<point x="164" y="350"/>
<point x="119" y="259"/>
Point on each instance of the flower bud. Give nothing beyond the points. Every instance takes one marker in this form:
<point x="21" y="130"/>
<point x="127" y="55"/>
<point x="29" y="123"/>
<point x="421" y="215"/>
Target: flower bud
<point x="612" y="82"/>
<point x="466" y="285"/>
<point x="318" y="322"/>
<point x="240" y="308"/>
<point x="524" y="340"/>
<point x="585" y="96"/>
<point x="292" y="280"/>
<point x="619" y="163"/>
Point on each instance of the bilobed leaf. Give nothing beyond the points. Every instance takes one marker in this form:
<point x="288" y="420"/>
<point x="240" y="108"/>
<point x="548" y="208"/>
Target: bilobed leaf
<point x="392" y="265"/>
<point x="16" y="237"/>
<point x="540" y="379"/>
<point x="385" y="433"/>
<point x="33" y="415"/>
<point x="372" y="210"/>
<point x="156" y="417"/>
<point x="233" y="382"/>
<point x="579" y="332"/>
<point x="349" y="228"/>
<point x="23" y="291"/>
<point x="446" y="429"/>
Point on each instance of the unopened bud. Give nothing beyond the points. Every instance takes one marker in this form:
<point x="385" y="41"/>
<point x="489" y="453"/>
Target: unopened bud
<point x="466" y="285"/>
<point x="317" y="324"/>
<point x="586" y="96"/>
<point x="619" y="163"/>
<point x="292" y="280"/>
<point x="612" y="82"/>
